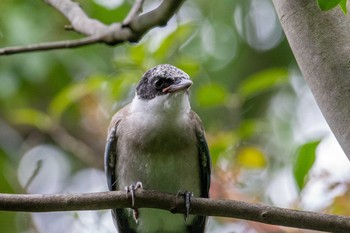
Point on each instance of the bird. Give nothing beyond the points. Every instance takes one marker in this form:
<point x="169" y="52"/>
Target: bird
<point x="157" y="142"/>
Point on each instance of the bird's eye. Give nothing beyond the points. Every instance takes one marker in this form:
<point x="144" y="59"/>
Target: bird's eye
<point x="159" y="83"/>
<point x="169" y="81"/>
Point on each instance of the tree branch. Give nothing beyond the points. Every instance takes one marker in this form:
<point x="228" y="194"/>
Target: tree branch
<point x="50" y="45"/>
<point x="131" y="30"/>
<point x="80" y="22"/>
<point x="135" y="11"/>
<point x="320" y="43"/>
<point x="170" y="202"/>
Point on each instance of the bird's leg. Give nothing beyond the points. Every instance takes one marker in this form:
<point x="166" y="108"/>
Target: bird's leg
<point x="131" y="189"/>
<point x="187" y="196"/>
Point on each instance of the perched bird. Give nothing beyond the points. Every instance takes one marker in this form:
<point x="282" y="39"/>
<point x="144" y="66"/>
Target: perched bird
<point x="157" y="141"/>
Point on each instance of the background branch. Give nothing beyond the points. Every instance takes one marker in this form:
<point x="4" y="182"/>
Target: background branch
<point x="134" y="27"/>
<point x="170" y="202"/>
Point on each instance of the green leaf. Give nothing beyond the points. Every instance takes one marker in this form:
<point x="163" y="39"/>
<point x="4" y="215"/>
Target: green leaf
<point x="170" y="44"/>
<point x="305" y="158"/>
<point x="8" y="221"/>
<point x="190" y="65"/>
<point x="326" y="5"/>
<point x="73" y="93"/>
<point x="248" y="128"/>
<point x="138" y="54"/>
<point x="107" y="15"/>
<point x="262" y="81"/>
<point x="342" y="5"/>
<point x="211" y="95"/>
<point x="221" y="144"/>
<point x="32" y="117"/>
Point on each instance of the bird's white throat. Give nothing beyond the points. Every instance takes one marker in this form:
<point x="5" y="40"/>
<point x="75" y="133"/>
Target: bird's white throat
<point x="169" y="105"/>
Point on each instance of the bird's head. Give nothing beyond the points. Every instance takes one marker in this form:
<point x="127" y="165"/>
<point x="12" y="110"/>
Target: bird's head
<point x="164" y="88"/>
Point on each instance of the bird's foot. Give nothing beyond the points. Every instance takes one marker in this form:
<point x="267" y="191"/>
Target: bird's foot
<point x="187" y="197"/>
<point x="131" y="189"/>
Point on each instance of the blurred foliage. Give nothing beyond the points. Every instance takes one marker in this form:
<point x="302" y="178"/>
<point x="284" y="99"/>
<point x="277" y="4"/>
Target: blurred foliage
<point x="56" y="105"/>
<point x="251" y="157"/>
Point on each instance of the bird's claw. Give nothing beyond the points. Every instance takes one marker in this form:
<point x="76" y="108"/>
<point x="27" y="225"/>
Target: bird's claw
<point x="131" y="189"/>
<point x="187" y="197"/>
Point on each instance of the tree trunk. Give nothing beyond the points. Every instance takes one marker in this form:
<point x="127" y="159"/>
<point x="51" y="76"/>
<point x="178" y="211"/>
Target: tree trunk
<point x="320" y="42"/>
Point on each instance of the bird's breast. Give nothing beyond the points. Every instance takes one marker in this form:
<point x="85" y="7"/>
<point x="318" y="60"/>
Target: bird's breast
<point x="162" y="155"/>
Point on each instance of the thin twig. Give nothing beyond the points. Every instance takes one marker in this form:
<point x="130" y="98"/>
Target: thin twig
<point x="171" y="202"/>
<point x="134" y="12"/>
<point x="157" y="17"/>
<point x="39" y="165"/>
<point x="50" y="45"/>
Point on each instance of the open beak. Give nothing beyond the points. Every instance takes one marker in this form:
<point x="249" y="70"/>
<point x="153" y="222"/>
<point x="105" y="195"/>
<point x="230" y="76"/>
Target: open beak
<point x="184" y="84"/>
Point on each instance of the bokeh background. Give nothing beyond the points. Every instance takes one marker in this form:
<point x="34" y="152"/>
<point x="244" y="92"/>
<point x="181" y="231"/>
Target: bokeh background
<point x="268" y="140"/>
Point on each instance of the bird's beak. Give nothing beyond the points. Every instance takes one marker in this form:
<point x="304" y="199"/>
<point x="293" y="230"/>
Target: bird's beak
<point x="184" y="84"/>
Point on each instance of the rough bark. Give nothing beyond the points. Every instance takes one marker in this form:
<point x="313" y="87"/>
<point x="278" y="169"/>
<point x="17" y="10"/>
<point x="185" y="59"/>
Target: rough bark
<point x="320" y="42"/>
<point x="175" y="204"/>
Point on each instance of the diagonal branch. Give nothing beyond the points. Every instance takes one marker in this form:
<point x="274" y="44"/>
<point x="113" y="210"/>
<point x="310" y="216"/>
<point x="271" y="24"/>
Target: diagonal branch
<point x="80" y="22"/>
<point x="157" y="17"/>
<point x="131" y="30"/>
<point x="135" y="11"/>
<point x="170" y="202"/>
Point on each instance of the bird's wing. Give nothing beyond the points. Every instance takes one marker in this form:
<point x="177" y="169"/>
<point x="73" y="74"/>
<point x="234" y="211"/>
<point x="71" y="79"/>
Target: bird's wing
<point x="204" y="156"/>
<point x="111" y="156"/>
<point x="111" y="160"/>
<point x="198" y="225"/>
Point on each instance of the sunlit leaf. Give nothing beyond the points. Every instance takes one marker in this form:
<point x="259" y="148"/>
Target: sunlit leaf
<point x="110" y="12"/>
<point x="173" y="41"/>
<point x="8" y="220"/>
<point x="327" y="4"/>
<point x="211" y="95"/>
<point x="305" y="158"/>
<point x="73" y="93"/>
<point x="342" y="5"/>
<point x="122" y="88"/>
<point x="247" y="128"/>
<point x="251" y="157"/>
<point x="341" y="204"/>
<point x="7" y="169"/>
<point x="32" y="117"/>
<point x="189" y="65"/>
<point x="221" y="143"/>
<point x="262" y="81"/>
<point x="138" y="54"/>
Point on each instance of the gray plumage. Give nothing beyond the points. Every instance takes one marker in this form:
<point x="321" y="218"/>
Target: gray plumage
<point x="159" y="141"/>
